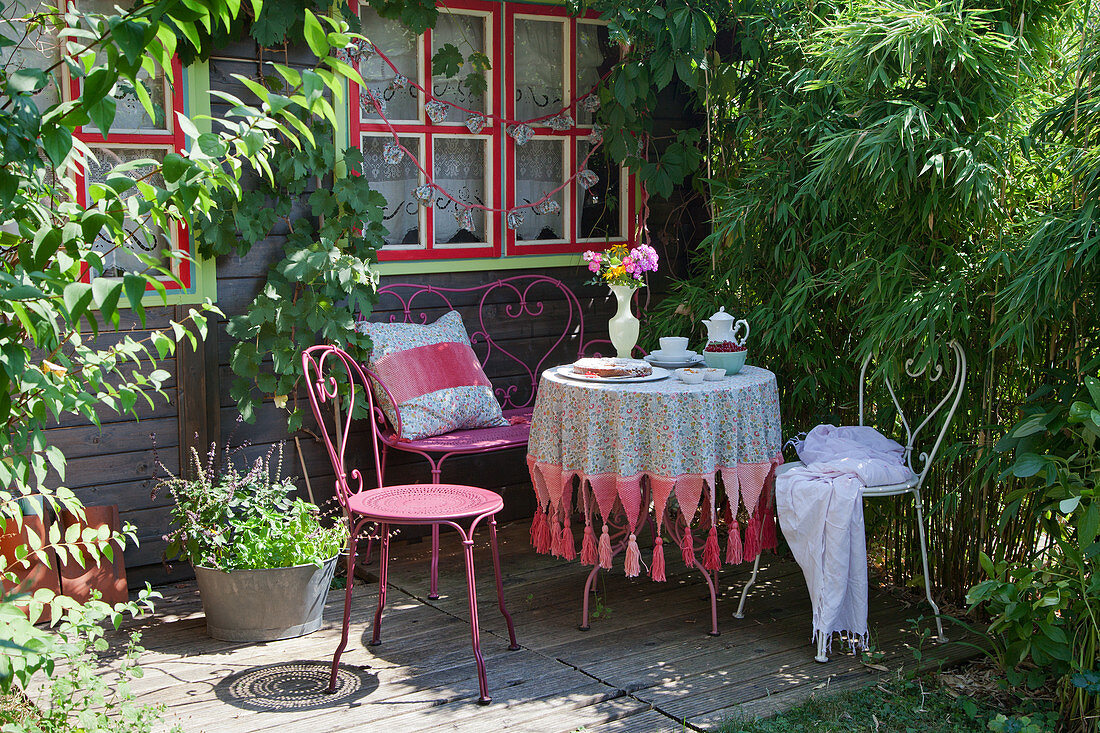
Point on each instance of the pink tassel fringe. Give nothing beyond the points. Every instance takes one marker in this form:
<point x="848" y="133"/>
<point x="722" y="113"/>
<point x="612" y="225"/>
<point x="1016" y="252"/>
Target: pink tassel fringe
<point x="657" y="570"/>
<point x="536" y="528"/>
<point x="633" y="562"/>
<point x="768" y="540"/>
<point x="555" y="538"/>
<point x="605" y="549"/>
<point x="752" y="540"/>
<point x="568" y="546"/>
<point x="733" y="544"/>
<point x="544" y="535"/>
<point x="588" y="547"/>
<point x="711" y="559"/>
<point x="687" y="550"/>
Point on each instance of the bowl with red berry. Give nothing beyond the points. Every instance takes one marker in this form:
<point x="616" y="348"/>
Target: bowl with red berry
<point x="727" y="355"/>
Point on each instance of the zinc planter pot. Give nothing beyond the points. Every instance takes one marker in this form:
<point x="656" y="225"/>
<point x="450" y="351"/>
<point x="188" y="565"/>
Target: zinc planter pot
<point x="264" y="605"/>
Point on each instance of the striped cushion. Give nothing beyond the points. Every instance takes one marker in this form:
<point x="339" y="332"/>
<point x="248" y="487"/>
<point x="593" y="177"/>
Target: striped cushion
<point x="433" y="375"/>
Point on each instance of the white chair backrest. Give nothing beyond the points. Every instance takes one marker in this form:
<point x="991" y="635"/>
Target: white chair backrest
<point x="953" y="395"/>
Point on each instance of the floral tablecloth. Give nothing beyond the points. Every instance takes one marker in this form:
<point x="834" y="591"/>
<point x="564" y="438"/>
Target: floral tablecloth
<point x="707" y="450"/>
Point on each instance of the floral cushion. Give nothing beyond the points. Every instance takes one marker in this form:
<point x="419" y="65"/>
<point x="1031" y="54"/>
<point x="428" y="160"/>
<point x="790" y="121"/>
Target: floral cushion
<point x="434" y="376"/>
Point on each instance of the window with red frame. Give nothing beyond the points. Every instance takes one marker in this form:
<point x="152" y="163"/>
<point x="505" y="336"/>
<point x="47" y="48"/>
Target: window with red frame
<point x="135" y="135"/>
<point x="542" y="61"/>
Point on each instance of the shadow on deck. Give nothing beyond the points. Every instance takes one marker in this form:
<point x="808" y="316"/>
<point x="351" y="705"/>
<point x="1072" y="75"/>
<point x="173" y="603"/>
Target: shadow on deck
<point x="645" y="665"/>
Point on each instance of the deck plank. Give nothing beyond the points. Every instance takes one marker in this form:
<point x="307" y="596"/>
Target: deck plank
<point x="649" y="666"/>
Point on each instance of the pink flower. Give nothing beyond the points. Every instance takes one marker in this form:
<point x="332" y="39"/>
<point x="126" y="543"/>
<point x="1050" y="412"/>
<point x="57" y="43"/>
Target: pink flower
<point x="594" y="266"/>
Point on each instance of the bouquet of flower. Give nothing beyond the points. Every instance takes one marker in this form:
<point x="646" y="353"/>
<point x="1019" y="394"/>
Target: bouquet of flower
<point x="621" y="265"/>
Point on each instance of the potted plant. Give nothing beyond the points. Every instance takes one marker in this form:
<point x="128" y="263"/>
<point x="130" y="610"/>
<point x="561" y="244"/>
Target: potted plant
<point x="263" y="558"/>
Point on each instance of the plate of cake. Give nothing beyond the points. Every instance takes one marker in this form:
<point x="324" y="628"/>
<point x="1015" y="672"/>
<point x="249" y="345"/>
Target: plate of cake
<point x="610" y="369"/>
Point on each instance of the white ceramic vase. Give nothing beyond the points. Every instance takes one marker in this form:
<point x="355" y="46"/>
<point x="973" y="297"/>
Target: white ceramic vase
<point x="623" y="326"/>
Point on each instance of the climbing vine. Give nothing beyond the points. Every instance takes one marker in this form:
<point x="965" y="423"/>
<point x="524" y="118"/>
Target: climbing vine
<point x="322" y="283"/>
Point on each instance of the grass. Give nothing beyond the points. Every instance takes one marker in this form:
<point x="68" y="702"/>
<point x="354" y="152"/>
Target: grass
<point x="15" y="707"/>
<point x="900" y="705"/>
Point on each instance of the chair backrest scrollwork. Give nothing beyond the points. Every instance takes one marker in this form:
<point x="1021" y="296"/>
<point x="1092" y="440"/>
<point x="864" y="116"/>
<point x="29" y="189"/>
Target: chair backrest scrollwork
<point x="944" y="408"/>
<point x="498" y="332"/>
<point x="327" y="369"/>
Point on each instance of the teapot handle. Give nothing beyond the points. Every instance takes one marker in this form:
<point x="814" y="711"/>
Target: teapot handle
<point x="738" y="325"/>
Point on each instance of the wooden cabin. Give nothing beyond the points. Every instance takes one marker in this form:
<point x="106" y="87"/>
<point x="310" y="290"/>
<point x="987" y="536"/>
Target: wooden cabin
<point x="542" y="59"/>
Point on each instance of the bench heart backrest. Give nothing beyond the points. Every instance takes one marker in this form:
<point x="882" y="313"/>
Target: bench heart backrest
<point x="518" y="325"/>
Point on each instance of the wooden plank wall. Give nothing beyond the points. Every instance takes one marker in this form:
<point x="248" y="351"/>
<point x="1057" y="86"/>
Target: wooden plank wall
<point x="118" y="465"/>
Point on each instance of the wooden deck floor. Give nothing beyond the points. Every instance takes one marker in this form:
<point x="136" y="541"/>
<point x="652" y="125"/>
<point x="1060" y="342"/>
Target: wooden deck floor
<point x="647" y="666"/>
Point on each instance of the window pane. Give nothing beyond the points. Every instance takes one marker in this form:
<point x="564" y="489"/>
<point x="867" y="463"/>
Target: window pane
<point x="38" y="49"/>
<point x="539" y="169"/>
<point x="467" y="32"/>
<point x="400" y="46"/>
<point x="595" y="58"/>
<point x="396" y="182"/>
<point x="130" y="116"/>
<point x="460" y="170"/>
<point x="150" y="239"/>
<point x="599" y="206"/>
<point x="540" y="68"/>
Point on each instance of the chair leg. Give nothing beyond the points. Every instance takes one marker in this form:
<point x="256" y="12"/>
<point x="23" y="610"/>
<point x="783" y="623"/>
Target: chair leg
<point x="433" y="589"/>
<point x="383" y="580"/>
<point x="740" y="613"/>
<point x="587" y="593"/>
<point x="924" y="563"/>
<point x="347" y="612"/>
<point x="475" y="631"/>
<point x="500" y="584"/>
<point x="821" y="640"/>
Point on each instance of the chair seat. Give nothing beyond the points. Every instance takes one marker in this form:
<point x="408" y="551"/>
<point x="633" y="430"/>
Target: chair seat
<point x="424" y="503"/>
<point x="884" y="489"/>
<point x="476" y="440"/>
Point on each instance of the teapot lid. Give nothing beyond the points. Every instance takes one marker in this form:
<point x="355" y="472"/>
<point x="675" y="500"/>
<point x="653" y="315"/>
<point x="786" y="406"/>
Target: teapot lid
<point x="721" y="315"/>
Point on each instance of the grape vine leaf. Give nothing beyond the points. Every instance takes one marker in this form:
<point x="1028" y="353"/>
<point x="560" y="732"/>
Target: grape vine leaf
<point x="447" y="60"/>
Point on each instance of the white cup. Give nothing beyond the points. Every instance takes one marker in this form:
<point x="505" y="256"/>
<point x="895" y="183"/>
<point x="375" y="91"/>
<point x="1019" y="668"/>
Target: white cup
<point x="674" y="345"/>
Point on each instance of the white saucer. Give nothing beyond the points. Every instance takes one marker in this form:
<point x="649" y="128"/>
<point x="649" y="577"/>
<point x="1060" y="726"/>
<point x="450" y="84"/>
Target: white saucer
<point x="667" y="363"/>
<point x="678" y="356"/>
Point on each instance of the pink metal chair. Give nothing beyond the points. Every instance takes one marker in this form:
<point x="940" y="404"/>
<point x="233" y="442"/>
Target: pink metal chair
<point x="501" y="304"/>
<point x="326" y="370"/>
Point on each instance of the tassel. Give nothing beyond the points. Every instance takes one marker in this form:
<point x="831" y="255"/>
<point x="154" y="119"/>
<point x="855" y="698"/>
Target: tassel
<point x="544" y="536"/>
<point x="657" y="570"/>
<point x="768" y="540"/>
<point x="555" y="538"/>
<point x="752" y="540"/>
<point x="733" y="544"/>
<point x="568" y="546"/>
<point x="711" y="559"/>
<point x="536" y="528"/>
<point x="588" y="547"/>
<point x="633" y="562"/>
<point x="687" y="549"/>
<point x="605" y="549"/>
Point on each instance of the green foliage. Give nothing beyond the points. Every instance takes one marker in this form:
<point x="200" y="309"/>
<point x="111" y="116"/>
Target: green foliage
<point x="321" y="285"/>
<point x="78" y="696"/>
<point x="55" y="359"/>
<point x="233" y="520"/>
<point x="898" y="704"/>
<point x="1046" y="612"/>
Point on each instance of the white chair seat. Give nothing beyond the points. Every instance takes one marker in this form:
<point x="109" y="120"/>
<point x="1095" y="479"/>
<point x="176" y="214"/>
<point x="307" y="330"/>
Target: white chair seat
<point x="884" y="490"/>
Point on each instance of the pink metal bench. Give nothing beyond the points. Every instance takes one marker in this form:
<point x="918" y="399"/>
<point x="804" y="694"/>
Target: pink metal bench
<point x="508" y="345"/>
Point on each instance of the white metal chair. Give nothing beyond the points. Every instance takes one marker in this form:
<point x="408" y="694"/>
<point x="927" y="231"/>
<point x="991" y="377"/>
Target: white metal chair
<point x="913" y="486"/>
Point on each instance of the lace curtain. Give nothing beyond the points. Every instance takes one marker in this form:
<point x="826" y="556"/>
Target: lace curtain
<point x="119" y="260"/>
<point x="400" y="45"/>
<point x="540" y="169"/>
<point x="539" y="67"/>
<point x="396" y="182"/>
<point x="460" y="170"/>
<point x="467" y="33"/>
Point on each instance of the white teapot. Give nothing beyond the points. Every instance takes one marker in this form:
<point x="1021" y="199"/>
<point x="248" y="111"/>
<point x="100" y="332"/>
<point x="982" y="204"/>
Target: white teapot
<point x="723" y="327"/>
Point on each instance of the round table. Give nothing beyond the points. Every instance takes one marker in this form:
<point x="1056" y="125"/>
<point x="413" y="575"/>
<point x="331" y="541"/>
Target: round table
<point x="690" y="458"/>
